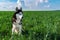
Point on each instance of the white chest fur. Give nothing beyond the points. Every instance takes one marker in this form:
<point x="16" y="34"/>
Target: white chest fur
<point x="19" y="17"/>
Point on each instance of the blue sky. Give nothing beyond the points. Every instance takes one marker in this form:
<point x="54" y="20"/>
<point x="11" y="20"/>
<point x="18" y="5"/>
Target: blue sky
<point x="31" y="4"/>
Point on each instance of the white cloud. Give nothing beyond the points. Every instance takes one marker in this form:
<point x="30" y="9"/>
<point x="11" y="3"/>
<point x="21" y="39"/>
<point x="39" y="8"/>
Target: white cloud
<point x="41" y="1"/>
<point x="34" y="3"/>
<point x="30" y="4"/>
<point x="47" y="6"/>
<point x="46" y="1"/>
<point x="7" y="6"/>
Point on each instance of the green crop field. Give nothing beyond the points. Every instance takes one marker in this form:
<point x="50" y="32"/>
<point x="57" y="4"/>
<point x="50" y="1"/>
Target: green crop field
<point x="37" y="25"/>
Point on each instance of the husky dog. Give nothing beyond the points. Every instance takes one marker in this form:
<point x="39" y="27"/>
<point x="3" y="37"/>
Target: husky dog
<point x="17" y="21"/>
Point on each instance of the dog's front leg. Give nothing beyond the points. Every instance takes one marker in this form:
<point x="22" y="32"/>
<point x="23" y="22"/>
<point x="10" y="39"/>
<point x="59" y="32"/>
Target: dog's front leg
<point x="13" y="29"/>
<point x="20" y="29"/>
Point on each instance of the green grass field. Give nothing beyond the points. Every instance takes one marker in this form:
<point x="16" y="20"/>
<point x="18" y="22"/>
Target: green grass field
<point x="37" y="25"/>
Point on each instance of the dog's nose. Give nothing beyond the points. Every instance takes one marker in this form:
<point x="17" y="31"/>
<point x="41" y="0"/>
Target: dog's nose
<point x="20" y="14"/>
<point x="20" y="23"/>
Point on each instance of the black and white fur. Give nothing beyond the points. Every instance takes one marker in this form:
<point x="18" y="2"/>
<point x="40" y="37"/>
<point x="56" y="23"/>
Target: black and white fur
<point x="17" y="21"/>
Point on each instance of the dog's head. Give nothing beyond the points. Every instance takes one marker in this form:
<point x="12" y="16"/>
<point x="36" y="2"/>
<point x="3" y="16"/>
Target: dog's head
<point x="18" y="10"/>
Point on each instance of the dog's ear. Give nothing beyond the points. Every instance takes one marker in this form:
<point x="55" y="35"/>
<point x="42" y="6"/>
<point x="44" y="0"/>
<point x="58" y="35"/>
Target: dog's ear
<point x="21" y="8"/>
<point x="16" y="8"/>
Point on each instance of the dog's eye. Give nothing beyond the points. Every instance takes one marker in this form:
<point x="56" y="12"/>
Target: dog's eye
<point x="20" y="13"/>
